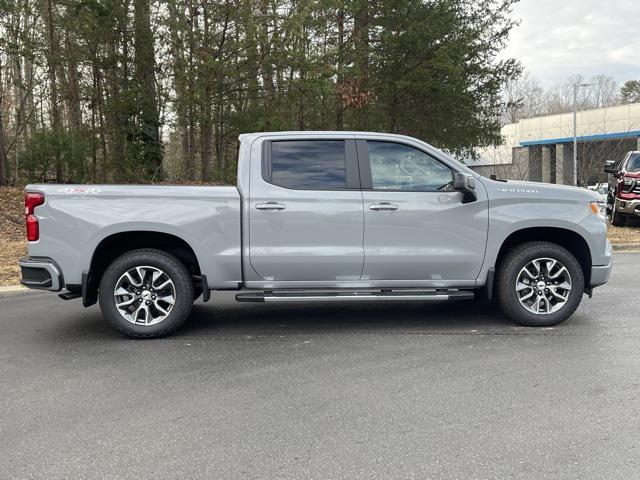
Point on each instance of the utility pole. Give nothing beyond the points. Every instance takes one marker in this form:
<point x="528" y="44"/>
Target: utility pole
<point x="575" y="132"/>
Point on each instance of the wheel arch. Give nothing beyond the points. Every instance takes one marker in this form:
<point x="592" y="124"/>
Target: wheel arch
<point x="569" y="239"/>
<point x="117" y="244"/>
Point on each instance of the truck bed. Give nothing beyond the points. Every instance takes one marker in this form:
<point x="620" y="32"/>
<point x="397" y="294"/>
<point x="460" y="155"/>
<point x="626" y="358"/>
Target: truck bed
<point x="75" y="219"/>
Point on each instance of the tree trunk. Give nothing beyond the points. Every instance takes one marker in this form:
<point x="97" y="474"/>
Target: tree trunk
<point x="205" y="136"/>
<point x="3" y="155"/>
<point x="113" y="114"/>
<point x="18" y="89"/>
<point x="72" y="96"/>
<point x="190" y="97"/>
<point x="101" y="122"/>
<point x="265" y="52"/>
<point x="340" y="74"/>
<point x="52" y="56"/>
<point x="205" y="79"/>
<point x="29" y="70"/>
<point x="192" y="145"/>
<point x="147" y="103"/>
<point x="184" y="141"/>
<point x="3" y="151"/>
<point x="361" y="41"/>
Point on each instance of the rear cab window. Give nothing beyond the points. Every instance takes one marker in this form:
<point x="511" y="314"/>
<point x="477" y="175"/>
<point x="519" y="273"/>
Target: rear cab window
<point x="307" y="164"/>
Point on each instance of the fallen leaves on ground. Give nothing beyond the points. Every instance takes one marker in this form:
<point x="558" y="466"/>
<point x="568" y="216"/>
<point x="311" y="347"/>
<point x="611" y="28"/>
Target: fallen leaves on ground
<point x="13" y="243"/>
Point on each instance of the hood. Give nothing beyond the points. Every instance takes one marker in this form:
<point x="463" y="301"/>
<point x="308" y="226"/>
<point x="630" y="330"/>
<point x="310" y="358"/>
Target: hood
<point x="521" y="189"/>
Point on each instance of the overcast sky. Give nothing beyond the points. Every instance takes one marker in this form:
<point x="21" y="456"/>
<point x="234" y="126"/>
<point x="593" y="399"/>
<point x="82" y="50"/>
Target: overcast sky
<point x="560" y="38"/>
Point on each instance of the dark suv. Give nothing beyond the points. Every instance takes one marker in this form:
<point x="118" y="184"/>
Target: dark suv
<point x="623" y="199"/>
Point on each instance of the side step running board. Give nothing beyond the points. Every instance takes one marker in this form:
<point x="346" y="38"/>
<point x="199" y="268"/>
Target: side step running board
<point x="355" y="295"/>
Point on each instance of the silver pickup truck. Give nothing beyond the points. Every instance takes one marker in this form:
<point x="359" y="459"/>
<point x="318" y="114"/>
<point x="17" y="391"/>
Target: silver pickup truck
<point x="319" y="217"/>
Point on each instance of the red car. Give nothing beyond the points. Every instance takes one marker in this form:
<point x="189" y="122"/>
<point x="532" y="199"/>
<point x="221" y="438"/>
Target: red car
<point x="623" y="199"/>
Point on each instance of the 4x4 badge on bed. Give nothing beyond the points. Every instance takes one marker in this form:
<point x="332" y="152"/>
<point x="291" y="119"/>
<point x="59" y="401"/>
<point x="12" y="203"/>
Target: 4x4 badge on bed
<point x="79" y="190"/>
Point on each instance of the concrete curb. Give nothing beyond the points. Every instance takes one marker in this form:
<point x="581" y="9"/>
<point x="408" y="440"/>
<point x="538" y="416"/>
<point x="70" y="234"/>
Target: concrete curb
<point x="13" y="289"/>
<point x="626" y="247"/>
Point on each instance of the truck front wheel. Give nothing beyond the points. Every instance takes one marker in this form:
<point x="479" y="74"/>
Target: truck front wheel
<point x="539" y="284"/>
<point x="617" y="218"/>
<point x="146" y="293"/>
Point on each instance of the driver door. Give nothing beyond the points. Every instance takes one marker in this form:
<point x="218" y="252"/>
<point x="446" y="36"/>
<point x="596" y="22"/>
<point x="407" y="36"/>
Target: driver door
<point x="416" y="229"/>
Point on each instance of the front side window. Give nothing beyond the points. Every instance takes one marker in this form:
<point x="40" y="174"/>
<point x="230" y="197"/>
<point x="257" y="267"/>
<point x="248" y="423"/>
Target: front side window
<point x="308" y="164"/>
<point x="395" y="166"/>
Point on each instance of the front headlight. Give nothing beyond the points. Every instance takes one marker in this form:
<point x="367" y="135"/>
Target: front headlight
<point x="599" y="209"/>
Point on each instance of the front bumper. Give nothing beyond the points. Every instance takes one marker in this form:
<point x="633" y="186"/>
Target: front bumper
<point x="40" y="273"/>
<point x="600" y="275"/>
<point x="628" y="207"/>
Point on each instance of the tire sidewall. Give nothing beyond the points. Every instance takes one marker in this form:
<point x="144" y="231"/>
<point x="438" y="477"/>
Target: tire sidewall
<point x="617" y="219"/>
<point x="516" y="260"/>
<point x="165" y="262"/>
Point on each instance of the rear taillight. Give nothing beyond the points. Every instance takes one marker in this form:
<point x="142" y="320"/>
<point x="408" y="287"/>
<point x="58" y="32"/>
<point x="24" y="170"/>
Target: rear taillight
<point x="31" y="201"/>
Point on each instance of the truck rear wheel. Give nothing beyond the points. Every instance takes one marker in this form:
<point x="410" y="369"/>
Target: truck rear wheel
<point x="146" y="293"/>
<point x="539" y="284"/>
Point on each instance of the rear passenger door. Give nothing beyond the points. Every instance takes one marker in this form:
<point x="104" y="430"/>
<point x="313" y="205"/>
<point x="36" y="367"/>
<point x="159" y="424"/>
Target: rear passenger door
<point x="416" y="227"/>
<point x="306" y="214"/>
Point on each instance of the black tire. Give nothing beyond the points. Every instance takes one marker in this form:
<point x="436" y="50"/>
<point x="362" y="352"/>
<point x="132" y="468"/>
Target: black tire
<point x="172" y="267"/>
<point x="617" y="219"/>
<point x="507" y="275"/>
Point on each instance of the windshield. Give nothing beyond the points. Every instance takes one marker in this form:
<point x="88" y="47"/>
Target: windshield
<point x="633" y="165"/>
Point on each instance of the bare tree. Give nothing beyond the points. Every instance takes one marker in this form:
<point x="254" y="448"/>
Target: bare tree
<point x="603" y="92"/>
<point x="3" y="151"/>
<point x="523" y="98"/>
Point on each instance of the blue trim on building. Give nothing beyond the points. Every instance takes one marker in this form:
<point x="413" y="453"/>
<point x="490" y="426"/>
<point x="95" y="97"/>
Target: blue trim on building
<point x="586" y="138"/>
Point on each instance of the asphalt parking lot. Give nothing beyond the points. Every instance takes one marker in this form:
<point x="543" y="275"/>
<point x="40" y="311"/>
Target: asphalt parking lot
<point x="326" y="391"/>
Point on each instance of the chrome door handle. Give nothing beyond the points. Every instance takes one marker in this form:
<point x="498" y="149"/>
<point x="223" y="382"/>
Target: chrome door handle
<point x="270" y="206"/>
<point x="383" y="206"/>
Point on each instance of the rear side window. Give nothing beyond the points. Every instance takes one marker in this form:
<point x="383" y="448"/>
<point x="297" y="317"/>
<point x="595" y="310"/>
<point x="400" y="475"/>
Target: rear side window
<point x="308" y="164"/>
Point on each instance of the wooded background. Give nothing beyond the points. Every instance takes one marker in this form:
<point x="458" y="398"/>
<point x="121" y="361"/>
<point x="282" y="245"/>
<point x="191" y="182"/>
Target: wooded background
<point x="141" y="90"/>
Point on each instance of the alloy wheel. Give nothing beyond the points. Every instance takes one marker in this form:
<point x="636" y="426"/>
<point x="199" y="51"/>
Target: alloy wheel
<point x="543" y="286"/>
<point x="144" y="295"/>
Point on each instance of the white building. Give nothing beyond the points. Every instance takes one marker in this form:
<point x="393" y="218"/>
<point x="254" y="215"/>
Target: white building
<point x="541" y="148"/>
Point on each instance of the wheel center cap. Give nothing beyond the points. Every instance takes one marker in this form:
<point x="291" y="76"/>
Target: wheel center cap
<point x="541" y="285"/>
<point x="146" y="295"/>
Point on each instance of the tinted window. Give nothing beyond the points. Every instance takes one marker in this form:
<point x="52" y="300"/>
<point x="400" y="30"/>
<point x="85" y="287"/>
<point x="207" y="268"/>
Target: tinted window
<point x="309" y="164"/>
<point x="399" y="167"/>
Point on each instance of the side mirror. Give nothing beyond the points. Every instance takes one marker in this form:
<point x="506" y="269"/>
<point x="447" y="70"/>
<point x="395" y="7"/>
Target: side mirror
<point x="610" y="167"/>
<point x="466" y="185"/>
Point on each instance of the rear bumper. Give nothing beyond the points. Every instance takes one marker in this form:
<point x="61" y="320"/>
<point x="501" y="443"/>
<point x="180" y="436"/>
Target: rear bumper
<point x="40" y="273"/>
